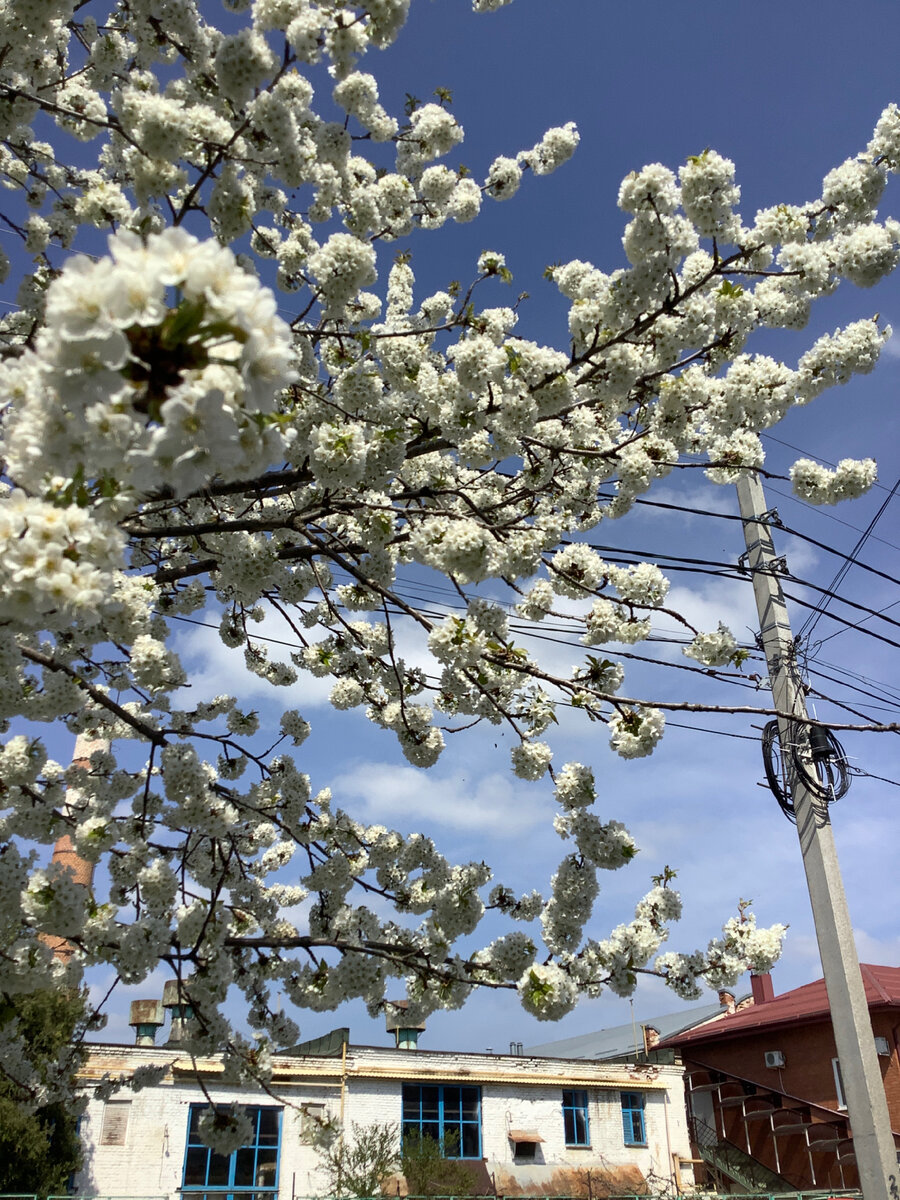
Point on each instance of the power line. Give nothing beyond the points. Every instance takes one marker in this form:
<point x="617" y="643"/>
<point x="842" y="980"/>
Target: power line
<point x="889" y="693"/>
<point x="869" y="775"/>
<point x="884" y="703"/>
<point x="858" y="626"/>
<point x="848" y="558"/>
<point x="830" y="595"/>
<point x="770" y="437"/>
<point x="819" y="511"/>
<point x="810" y="623"/>
<point x="731" y="680"/>
<point x="723" y="516"/>
<point x="850" y="625"/>
<point x="426" y="606"/>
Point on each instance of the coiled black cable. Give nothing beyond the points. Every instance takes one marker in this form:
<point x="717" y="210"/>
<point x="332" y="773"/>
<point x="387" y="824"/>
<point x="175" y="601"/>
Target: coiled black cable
<point x="813" y="755"/>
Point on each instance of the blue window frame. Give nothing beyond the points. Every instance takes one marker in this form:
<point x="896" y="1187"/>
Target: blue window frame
<point x="633" y="1125"/>
<point x="251" y="1171"/>
<point x="449" y="1114"/>
<point x="575" y="1118"/>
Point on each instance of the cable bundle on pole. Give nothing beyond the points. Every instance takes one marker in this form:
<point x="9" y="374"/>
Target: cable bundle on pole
<point x="813" y="755"/>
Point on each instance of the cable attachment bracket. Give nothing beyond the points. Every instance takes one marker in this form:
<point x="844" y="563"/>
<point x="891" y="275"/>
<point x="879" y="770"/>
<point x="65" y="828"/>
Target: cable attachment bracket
<point x="772" y="566"/>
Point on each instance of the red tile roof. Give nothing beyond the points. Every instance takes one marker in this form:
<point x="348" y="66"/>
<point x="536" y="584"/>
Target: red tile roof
<point x="804" y="1003"/>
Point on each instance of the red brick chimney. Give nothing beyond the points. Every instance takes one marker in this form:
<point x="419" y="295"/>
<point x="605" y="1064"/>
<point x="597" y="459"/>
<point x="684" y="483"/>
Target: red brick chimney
<point x="762" y="988"/>
<point x="64" y="852"/>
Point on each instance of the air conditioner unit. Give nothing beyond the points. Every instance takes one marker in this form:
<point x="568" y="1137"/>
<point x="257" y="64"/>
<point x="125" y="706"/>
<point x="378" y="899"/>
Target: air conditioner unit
<point x="883" y="1047"/>
<point x="774" y="1058"/>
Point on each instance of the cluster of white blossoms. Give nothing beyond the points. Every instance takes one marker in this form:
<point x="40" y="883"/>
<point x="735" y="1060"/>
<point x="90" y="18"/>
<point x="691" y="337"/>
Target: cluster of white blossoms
<point x="172" y="446"/>
<point x="547" y="992"/>
<point x="714" y="649"/>
<point x="634" y="732"/>
<point x="155" y="366"/>
<point x="818" y="485"/>
<point x="59" y="565"/>
<point x="726" y="958"/>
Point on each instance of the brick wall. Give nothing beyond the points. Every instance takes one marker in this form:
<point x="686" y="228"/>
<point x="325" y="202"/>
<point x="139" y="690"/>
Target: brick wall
<point x="151" y="1160"/>
<point x="144" y="1152"/>
<point x="808" y="1051"/>
<point x="808" y="1074"/>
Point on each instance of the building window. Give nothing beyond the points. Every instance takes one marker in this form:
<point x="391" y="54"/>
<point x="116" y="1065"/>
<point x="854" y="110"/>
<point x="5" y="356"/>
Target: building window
<point x="838" y="1083"/>
<point x="312" y="1119"/>
<point x="115" y="1122"/>
<point x="450" y="1115"/>
<point x="525" y="1143"/>
<point x="254" y="1165"/>
<point x="633" y="1119"/>
<point x="575" y="1118"/>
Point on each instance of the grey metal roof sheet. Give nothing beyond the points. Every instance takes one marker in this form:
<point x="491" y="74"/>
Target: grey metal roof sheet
<point x="620" y="1039"/>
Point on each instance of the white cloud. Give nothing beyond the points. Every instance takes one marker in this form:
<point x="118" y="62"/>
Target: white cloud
<point x="881" y="951"/>
<point x="704" y="605"/>
<point x="696" y="499"/>
<point x="215" y="669"/>
<point x="492" y="804"/>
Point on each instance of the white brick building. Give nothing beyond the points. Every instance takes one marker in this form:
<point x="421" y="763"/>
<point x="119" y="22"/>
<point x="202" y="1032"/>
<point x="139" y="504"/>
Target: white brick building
<point x="526" y="1124"/>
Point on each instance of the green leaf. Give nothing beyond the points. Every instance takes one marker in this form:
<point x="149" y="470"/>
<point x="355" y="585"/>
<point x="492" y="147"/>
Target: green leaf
<point x="730" y="290"/>
<point x="182" y="323"/>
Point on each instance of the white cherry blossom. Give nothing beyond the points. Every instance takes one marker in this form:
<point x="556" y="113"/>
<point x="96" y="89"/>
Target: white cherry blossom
<point x="172" y="445"/>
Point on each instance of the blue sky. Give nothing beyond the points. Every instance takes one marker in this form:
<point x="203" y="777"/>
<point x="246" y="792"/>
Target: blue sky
<point x="787" y="90"/>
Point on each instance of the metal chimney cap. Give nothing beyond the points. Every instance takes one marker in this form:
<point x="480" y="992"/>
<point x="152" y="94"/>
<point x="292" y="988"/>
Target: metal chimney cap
<point x="174" y="993"/>
<point x="146" y="1012"/>
<point x="395" y="1016"/>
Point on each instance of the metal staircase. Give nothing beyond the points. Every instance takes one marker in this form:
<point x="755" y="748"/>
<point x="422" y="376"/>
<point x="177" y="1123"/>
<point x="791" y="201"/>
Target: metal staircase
<point x="728" y="1159"/>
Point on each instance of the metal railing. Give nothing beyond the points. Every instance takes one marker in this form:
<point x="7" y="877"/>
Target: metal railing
<point x="736" y="1163"/>
<point x="817" y="1194"/>
<point x="223" y="1193"/>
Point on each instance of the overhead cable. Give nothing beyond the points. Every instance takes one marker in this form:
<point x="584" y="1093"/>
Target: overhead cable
<point x="811" y="621"/>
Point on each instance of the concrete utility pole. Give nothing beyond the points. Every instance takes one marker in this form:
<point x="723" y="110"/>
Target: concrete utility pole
<point x="873" y="1142"/>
